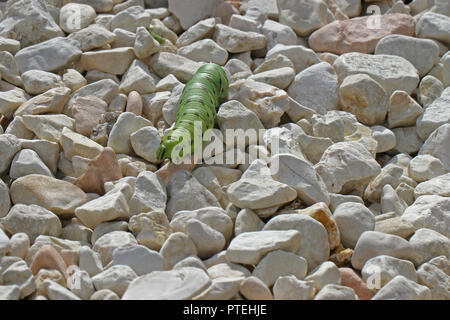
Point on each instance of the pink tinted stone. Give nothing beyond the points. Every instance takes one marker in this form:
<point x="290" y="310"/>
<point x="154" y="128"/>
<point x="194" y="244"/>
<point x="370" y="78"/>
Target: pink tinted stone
<point x="134" y="103"/>
<point x="101" y="169"/>
<point x="47" y="257"/>
<point x="87" y="112"/>
<point x="349" y="278"/>
<point x="360" y="34"/>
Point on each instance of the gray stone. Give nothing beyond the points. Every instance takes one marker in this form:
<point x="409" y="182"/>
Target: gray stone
<point x="373" y="243"/>
<point x="422" y="53"/>
<point x="186" y="193"/>
<point x="116" y="278"/>
<point x="38" y="81"/>
<point x="5" y="201"/>
<point x="126" y="124"/>
<point x="165" y="63"/>
<point x="300" y="56"/>
<point x="383" y="269"/>
<point x="391" y="72"/>
<point x="280" y="263"/>
<point x="27" y="162"/>
<point x="428" y="244"/>
<point x="236" y="41"/>
<point x="177" y="247"/>
<point x="55" y="291"/>
<point x="215" y="217"/>
<point x="434" y="116"/>
<point x="107" y="243"/>
<point x="313" y="245"/>
<point x="50" y="55"/>
<point x="435" y="145"/>
<point x="9" y="145"/>
<point x="304" y="17"/>
<point x="436" y="186"/>
<point x="290" y="288"/>
<point x="430" y="211"/>
<point x="181" y="284"/>
<point x="353" y="219"/>
<point x="131" y="18"/>
<point x="32" y="220"/>
<point x="137" y="78"/>
<point x="207" y="240"/>
<point x="250" y="247"/>
<point x="434" y="26"/>
<point x="29" y="22"/>
<point x="316" y="88"/>
<point x="89" y="261"/>
<point x="259" y="194"/>
<point x="336" y="292"/>
<point x="356" y="166"/>
<point x="400" y="288"/>
<point x="190" y="12"/>
<point x="149" y="194"/>
<point x="93" y="37"/>
<point x="436" y="280"/>
<point x="74" y="17"/>
<point x="324" y="274"/>
<point x="205" y="50"/>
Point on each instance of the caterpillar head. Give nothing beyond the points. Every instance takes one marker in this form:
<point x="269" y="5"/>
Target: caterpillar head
<point x="165" y="149"/>
<point x="167" y="145"/>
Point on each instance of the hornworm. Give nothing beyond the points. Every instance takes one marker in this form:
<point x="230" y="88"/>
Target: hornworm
<point x="198" y="102"/>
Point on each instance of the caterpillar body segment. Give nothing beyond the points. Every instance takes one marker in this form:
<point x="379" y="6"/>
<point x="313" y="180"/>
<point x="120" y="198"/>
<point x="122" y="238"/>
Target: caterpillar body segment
<point x="198" y="102"/>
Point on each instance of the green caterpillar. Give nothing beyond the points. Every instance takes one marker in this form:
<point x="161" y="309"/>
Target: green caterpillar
<point x="198" y="102"/>
<point x="158" y="38"/>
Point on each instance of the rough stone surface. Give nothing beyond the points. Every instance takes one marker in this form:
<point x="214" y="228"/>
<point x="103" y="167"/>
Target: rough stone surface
<point x="353" y="219"/>
<point x="304" y="17"/>
<point x="373" y="243"/>
<point x="434" y="26"/>
<point x="269" y="103"/>
<point x="50" y="55"/>
<point x="259" y="194"/>
<point x="253" y="288"/>
<point x="107" y="243"/>
<point x="250" y="247"/>
<point x="58" y="196"/>
<point x="181" y="284"/>
<point x="336" y="292"/>
<point x="391" y="72"/>
<point x="430" y="211"/>
<point x="362" y="96"/>
<point x="291" y="288"/>
<point x="116" y="278"/>
<point x="314" y="245"/>
<point x="190" y="12"/>
<point x="235" y="40"/>
<point x="422" y="53"/>
<point x="316" y="88"/>
<point x="428" y="244"/>
<point x="357" y="167"/>
<point x="382" y="269"/>
<point x="358" y="35"/>
<point x="434" y="116"/>
<point x="400" y="288"/>
<point x="29" y="22"/>
<point x="279" y="263"/>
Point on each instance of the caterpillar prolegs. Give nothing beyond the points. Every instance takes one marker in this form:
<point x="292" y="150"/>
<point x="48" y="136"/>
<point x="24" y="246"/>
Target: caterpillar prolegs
<point x="198" y="102"/>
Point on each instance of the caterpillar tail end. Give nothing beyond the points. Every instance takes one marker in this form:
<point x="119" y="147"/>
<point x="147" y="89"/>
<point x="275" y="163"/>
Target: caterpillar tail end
<point x="161" y="153"/>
